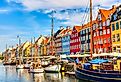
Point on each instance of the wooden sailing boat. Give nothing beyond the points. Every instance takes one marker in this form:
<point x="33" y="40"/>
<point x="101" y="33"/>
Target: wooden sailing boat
<point x="36" y="65"/>
<point x="5" y="62"/>
<point x="20" y="65"/>
<point x="99" y="70"/>
<point x="56" y="67"/>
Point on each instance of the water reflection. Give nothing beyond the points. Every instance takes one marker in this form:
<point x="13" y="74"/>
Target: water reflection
<point x="10" y="74"/>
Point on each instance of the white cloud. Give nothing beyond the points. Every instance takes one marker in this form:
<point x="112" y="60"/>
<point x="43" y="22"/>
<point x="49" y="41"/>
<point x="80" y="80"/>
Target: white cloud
<point x="4" y="10"/>
<point x="48" y="5"/>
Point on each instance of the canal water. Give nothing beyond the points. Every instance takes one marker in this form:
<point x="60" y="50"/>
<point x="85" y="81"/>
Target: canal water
<point x="10" y="74"/>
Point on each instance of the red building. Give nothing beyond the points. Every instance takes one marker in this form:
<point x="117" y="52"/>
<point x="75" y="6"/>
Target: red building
<point x="75" y="40"/>
<point x="102" y="31"/>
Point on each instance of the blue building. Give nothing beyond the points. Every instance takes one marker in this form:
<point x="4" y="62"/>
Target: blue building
<point x="66" y="41"/>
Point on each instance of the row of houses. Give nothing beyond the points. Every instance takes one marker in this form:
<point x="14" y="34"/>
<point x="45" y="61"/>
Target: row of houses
<point x="104" y="31"/>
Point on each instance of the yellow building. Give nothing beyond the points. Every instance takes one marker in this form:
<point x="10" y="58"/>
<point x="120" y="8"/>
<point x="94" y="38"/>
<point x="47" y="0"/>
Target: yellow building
<point x="41" y="45"/>
<point x="116" y="30"/>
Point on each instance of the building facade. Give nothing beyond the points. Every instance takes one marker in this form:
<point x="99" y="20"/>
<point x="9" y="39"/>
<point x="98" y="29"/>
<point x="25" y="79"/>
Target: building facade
<point x="102" y="31"/>
<point x="58" y="41"/>
<point x="85" y="36"/>
<point x="75" y="40"/>
<point x="116" y="30"/>
<point x="66" y="41"/>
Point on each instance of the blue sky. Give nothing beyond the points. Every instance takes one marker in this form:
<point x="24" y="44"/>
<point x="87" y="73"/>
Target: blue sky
<point x="32" y="18"/>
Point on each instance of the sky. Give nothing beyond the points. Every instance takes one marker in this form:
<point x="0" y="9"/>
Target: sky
<point x="32" y="18"/>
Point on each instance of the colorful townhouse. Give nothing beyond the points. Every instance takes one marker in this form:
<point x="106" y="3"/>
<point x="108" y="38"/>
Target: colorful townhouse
<point x="50" y="46"/>
<point x="116" y="30"/>
<point x="57" y="40"/>
<point x="75" y="40"/>
<point x="66" y="40"/>
<point x="85" y="36"/>
<point x="41" y="45"/>
<point x="102" y="32"/>
<point x="25" y="49"/>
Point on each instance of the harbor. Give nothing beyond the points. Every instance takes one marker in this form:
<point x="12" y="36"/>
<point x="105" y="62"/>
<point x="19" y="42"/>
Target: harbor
<point x="11" y="74"/>
<point x="52" y="47"/>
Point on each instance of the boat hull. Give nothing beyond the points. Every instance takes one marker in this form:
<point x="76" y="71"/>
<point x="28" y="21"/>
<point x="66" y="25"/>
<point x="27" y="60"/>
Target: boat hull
<point x="20" y="67"/>
<point x="97" y="77"/>
<point x="53" y="69"/>
<point x="36" y="70"/>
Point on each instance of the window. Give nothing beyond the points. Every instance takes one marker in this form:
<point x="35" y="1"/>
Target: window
<point x="97" y="33"/>
<point x="99" y="17"/>
<point x="114" y="49"/>
<point x="101" y="32"/>
<point x="94" y="33"/>
<point x="117" y="26"/>
<point x="108" y="31"/>
<point x="103" y="23"/>
<point x="104" y="50"/>
<point x="100" y="25"/>
<point x="104" y="31"/>
<point x="109" y="40"/>
<point x="118" y="37"/>
<point x="120" y="24"/>
<point x="89" y="36"/>
<point x="83" y="31"/>
<point x="104" y="40"/>
<point x="118" y="49"/>
<point x="114" y="16"/>
<point x="113" y="27"/>
<point x="113" y="38"/>
<point x="88" y="29"/>
<point x="94" y="26"/>
<point x="86" y="37"/>
<point x="108" y="22"/>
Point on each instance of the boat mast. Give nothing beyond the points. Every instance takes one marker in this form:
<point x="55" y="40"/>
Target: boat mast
<point x="34" y="50"/>
<point x="6" y="54"/>
<point x="52" y="33"/>
<point x="91" y="46"/>
<point x="31" y="50"/>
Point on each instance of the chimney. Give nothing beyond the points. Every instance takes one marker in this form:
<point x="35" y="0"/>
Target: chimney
<point x="61" y="27"/>
<point x="114" y="6"/>
<point x="68" y="27"/>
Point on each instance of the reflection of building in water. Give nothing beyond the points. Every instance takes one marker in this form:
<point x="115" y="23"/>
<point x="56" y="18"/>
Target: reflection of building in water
<point x="53" y="77"/>
<point x="22" y="73"/>
<point x="38" y="77"/>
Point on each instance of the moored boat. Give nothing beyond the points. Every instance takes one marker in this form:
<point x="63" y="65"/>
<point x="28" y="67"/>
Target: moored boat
<point x="100" y="71"/>
<point x="36" y="68"/>
<point x="21" y="66"/>
<point x="53" y="69"/>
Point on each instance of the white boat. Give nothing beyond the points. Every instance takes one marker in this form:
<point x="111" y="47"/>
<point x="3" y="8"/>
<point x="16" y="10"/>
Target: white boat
<point x="20" y="66"/>
<point x="40" y="70"/>
<point x="36" y="68"/>
<point x="26" y="66"/>
<point x="45" y="63"/>
<point x="53" y="69"/>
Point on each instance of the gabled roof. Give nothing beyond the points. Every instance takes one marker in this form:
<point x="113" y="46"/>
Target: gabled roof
<point x="78" y="28"/>
<point x="106" y="13"/>
<point x="67" y="30"/>
<point x="88" y="24"/>
<point x="58" y="32"/>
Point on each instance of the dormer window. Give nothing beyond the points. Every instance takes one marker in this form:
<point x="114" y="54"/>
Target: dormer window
<point x="99" y="16"/>
<point x="108" y="22"/>
<point x="114" y="17"/>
